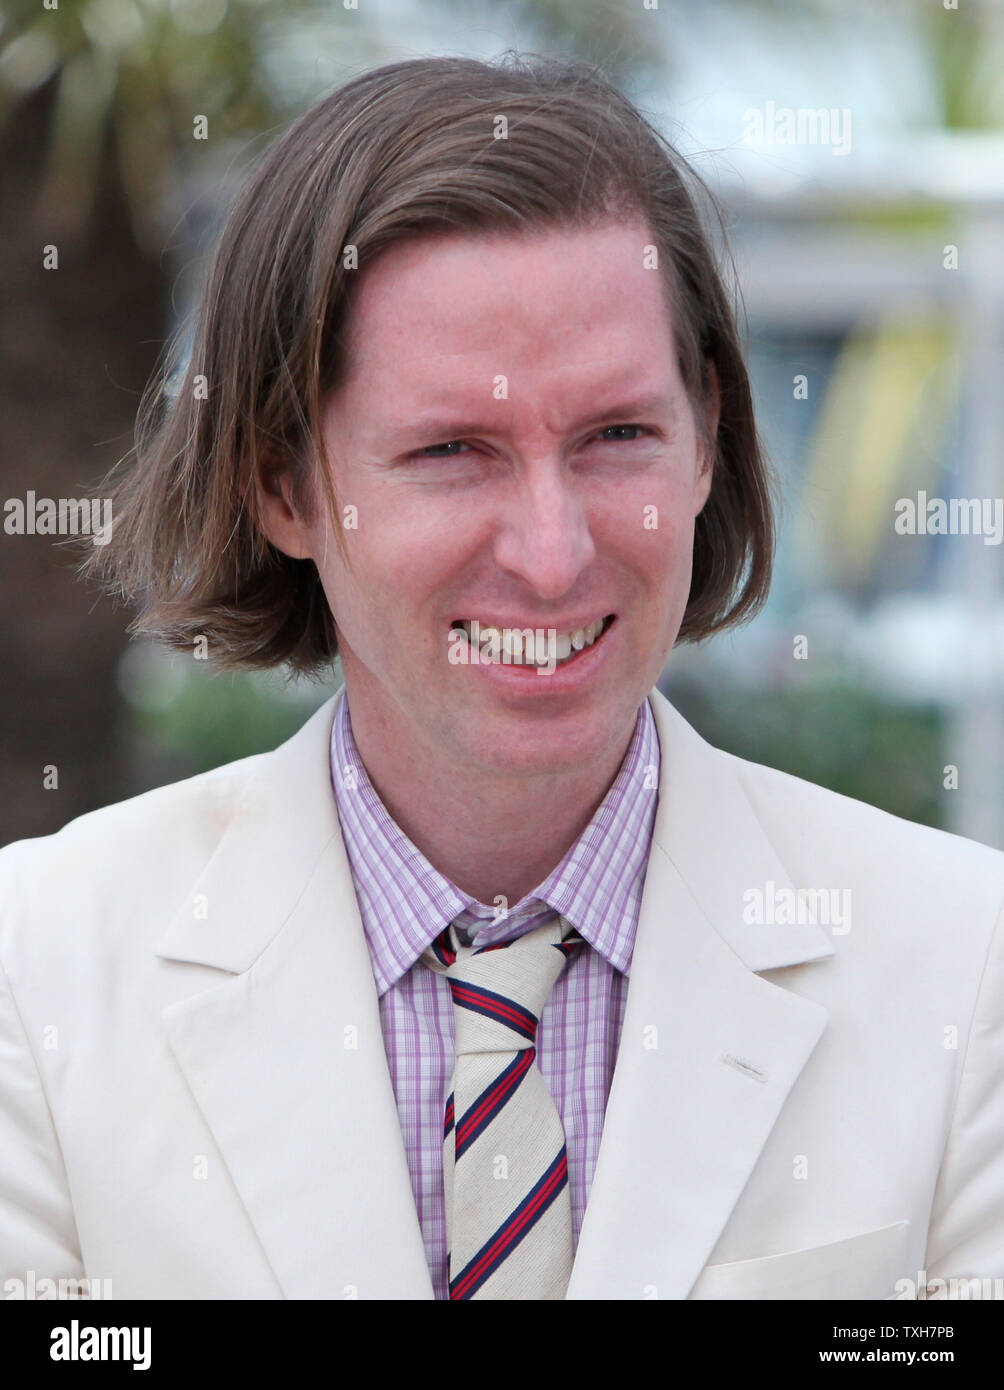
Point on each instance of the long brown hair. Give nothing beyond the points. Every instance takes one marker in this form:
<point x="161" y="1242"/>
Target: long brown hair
<point x="407" y="148"/>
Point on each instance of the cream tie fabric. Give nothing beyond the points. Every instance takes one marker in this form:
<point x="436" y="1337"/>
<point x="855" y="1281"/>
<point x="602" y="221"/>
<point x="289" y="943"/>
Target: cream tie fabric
<point x="505" y="1169"/>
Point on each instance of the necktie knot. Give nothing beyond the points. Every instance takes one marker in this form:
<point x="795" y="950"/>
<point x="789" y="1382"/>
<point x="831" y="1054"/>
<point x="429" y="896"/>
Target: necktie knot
<point x="499" y="991"/>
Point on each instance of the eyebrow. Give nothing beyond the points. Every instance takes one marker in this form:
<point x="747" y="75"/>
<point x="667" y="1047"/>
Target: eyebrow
<point x="442" y="427"/>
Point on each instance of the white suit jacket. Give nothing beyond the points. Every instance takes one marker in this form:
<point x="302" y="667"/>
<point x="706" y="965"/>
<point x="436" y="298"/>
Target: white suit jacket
<point x="195" y="1100"/>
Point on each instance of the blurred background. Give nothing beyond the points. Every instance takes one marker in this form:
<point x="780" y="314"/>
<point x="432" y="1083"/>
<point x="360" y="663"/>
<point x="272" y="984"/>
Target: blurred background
<point x="858" y="151"/>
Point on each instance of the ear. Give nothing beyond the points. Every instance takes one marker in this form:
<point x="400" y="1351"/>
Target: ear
<point x="281" y="519"/>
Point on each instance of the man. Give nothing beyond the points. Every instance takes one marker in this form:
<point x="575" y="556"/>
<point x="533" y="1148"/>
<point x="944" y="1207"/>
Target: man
<point x="458" y="993"/>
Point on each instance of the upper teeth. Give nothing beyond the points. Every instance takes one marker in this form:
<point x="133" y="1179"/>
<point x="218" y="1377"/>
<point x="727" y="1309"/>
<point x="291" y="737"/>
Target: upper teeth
<point x="538" y="645"/>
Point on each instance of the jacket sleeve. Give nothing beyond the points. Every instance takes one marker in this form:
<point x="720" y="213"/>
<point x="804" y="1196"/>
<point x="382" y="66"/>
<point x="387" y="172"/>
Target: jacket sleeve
<point x="966" y="1232"/>
<point x="38" y="1235"/>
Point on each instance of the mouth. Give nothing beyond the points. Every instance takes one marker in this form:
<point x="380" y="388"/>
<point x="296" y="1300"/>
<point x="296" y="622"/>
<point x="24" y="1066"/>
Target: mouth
<point x="532" y="646"/>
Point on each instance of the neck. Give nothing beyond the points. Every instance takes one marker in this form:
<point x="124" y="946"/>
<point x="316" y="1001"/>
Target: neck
<point x="493" y="837"/>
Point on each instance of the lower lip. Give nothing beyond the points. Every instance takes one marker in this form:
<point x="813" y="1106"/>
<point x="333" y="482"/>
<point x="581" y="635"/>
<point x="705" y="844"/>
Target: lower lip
<point x="541" y="681"/>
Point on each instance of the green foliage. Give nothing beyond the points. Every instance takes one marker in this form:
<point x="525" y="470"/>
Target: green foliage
<point x="839" y="735"/>
<point x="217" y="718"/>
<point x="142" y="71"/>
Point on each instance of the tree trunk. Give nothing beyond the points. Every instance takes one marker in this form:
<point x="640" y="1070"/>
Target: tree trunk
<point x="76" y="347"/>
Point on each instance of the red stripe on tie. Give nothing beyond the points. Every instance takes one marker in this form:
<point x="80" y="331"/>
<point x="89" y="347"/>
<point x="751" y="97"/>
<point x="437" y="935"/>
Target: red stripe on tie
<point x="507" y="1235"/>
<point x="502" y="1009"/>
<point x="442" y="949"/>
<point x="506" y="1084"/>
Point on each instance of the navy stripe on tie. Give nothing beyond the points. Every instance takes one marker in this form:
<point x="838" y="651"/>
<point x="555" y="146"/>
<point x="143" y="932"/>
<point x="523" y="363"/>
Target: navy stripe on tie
<point x="513" y="1229"/>
<point x="442" y="950"/>
<point x="492" y="1100"/>
<point x="449" y="1116"/>
<point x="485" y="1001"/>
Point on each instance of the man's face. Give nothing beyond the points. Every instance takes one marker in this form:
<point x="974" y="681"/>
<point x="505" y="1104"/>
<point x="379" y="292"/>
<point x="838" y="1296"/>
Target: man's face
<point x="518" y="445"/>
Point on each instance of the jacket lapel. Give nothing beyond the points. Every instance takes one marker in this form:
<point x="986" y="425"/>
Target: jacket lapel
<point x="285" y="1056"/>
<point x="709" y="1050"/>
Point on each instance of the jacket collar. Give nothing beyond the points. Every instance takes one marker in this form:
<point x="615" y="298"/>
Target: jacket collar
<point x="285" y="817"/>
<point x="283" y="824"/>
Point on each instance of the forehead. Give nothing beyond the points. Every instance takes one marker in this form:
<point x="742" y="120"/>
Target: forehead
<point x="561" y="300"/>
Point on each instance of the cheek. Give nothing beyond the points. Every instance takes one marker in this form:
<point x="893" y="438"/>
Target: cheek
<point x="650" y="522"/>
<point x="396" y="562"/>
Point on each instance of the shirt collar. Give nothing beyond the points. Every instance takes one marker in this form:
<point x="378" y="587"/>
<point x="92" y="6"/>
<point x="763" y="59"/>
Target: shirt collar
<point x="405" y="903"/>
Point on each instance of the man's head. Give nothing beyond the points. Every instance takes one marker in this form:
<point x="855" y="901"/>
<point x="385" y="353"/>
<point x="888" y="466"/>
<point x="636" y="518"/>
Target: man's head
<point x="518" y="449"/>
<point x="512" y="250"/>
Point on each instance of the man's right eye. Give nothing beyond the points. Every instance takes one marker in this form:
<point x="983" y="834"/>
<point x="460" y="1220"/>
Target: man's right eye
<point x="430" y="450"/>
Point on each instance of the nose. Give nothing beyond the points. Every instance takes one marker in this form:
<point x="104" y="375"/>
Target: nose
<point x="543" y="537"/>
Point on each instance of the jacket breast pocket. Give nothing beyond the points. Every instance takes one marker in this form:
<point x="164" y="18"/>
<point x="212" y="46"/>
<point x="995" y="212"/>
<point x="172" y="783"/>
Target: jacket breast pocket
<point x="862" y="1266"/>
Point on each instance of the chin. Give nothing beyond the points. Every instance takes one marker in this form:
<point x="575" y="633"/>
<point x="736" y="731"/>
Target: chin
<point x="558" y="744"/>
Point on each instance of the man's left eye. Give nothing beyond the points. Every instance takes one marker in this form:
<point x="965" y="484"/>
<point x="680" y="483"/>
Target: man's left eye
<point x="639" y="428"/>
<point x="430" y="451"/>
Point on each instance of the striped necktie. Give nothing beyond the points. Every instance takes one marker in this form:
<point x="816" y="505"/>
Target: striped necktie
<point x="505" y="1168"/>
